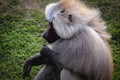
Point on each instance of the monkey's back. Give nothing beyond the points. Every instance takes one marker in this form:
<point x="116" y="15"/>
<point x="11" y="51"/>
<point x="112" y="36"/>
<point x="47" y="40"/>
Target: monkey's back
<point x="87" y="54"/>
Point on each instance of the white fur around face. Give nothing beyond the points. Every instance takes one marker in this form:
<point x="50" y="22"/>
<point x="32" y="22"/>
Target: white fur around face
<point x="51" y="10"/>
<point x="61" y="23"/>
<point x="63" y="27"/>
<point x="82" y="17"/>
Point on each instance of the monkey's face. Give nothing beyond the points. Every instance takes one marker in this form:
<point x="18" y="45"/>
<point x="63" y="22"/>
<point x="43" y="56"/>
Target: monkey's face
<point x="50" y="34"/>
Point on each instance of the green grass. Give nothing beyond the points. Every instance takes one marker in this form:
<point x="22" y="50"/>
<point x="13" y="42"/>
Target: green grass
<point x="19" y="39"/>
<point x="20" y="31"/>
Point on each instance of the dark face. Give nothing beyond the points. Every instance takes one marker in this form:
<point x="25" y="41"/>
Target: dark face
<point x="50" y="34"/>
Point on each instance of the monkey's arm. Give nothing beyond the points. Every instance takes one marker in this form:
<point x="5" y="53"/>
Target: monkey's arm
<point x="38" y="59"/>
<point x="35" y="60"/>
<point x="47" y="52"/>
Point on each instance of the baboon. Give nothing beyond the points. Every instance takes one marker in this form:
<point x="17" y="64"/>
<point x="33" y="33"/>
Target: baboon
<point x="79" y="48"/>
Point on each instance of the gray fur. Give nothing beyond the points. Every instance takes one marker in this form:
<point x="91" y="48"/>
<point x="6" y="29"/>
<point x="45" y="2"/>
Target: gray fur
<point x="85" y="53"/>
<point x="47" y="73"/>
<point x="83" y="48"/>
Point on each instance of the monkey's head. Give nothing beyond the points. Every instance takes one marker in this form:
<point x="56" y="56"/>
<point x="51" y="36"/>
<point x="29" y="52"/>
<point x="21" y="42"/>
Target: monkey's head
<point x="67" y="18"/>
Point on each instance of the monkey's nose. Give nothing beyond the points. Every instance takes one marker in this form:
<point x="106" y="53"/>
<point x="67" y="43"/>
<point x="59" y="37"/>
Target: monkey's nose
<point x="43" y="35"/>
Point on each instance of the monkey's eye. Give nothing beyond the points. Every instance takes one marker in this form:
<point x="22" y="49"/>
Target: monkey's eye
<point x="62" y="11"/>
<point x="70" y="17"/>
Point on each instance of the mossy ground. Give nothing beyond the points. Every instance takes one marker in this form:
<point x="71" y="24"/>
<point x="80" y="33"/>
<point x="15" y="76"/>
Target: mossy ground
<point x="20" y="31"/>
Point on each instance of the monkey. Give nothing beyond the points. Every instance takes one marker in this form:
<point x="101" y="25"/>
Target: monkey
<point x="82" y="48"/>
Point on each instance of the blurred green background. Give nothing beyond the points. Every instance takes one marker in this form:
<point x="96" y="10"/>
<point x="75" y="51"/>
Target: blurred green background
<point x="22" y="22"/>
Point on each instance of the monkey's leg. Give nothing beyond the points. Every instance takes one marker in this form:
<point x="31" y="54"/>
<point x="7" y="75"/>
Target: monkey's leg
<point x="68" y="75"/>
<point x="48" y="73"/>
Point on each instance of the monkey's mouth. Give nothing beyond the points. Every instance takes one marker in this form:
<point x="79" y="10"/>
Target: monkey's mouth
<point x="52" y="39"/>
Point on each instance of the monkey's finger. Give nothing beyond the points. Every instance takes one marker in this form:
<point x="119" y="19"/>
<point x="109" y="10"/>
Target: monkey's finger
<point x="27" y="66"/>
<point x="26" y="70"/>
<point x="25" y="74"/>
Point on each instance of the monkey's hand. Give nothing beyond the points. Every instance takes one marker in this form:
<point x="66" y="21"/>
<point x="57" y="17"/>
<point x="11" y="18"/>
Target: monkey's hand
<point x="26" y="68"/>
